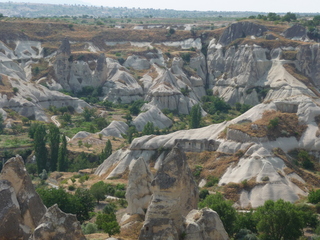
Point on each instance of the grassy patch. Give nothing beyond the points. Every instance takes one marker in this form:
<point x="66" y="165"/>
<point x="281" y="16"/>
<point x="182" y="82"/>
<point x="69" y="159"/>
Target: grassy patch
<point x="273" y="124"/>
<point x="289" y="55"/>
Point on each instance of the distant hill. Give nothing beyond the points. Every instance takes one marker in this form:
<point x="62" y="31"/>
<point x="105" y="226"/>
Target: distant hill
<point x="78" y="8"/>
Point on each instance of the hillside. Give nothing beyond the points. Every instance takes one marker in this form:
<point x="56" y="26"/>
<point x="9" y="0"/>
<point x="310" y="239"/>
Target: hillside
<point x="240" y="101"/>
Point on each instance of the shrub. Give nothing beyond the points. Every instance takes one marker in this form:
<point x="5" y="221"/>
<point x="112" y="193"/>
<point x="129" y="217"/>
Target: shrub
<point x="71" y="188"/>
<point x="197" y="171"/>
<point x="211" y="181"/>
<point x="273" y="123"/>
<point x="90" y="228"/>
<point x="314" y="196"/>
<point x="108" y="223"/>
<point x="203" y="194"/>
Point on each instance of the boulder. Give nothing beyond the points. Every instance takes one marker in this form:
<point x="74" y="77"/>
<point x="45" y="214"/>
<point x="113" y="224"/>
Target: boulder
<point x="56" y="224"/>
<point x="81" y="134"/>
<point x="139" y="192"/>
<point x="11" y="223"/>
<point x="241" y="30"/>
<point x="115" y="129"/>
<point x="296" y="32"/>
<point x="23" y="206"/>
<point x="174" y="194"/>
<point x="137" y="63"/>
<point x="204" y="224"/>
<point x="153" y="115"/>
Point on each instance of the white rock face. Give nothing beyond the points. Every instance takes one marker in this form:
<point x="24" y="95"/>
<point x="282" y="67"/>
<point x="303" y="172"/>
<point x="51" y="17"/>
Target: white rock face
<point x="153" y="115"/>
<point x="185" y="44"/>
<point x="137" y="63"/>
<point x="258" y="161"/>
<point x="56" y="224"/>
<point x="120" y="85"/>
<point x="138" y="192"/>
<point x="115" y="129"/>
<point x="81" y="134"/>
<point x="204" y="224"/>
<point x="174" y="194"/>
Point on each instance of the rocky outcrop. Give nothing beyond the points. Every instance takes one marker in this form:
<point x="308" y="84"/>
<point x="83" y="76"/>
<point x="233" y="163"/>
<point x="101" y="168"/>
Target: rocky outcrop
<point x="24" y="216"/>
<point x="153" y="115"/>
<point x="174" y="194"/>
<point x="22" y="207"/>
<point x="120" y="87"/>
<point x="115" y="129"/>
<point x="81" y="134"/>
<point x="137" y="63"/>
<point x="204" y="224"/>
<point x="165" y="94"/>
<point x="308" y="62"/>
<point x="56" y="224"/>
<point x="241" y="30"/>
<point x="296" y="32"/>
<point x="138" y="194"/>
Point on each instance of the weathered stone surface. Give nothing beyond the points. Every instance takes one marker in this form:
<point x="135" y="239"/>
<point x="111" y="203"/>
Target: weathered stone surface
<point x="241" y="30"/>
<point x="24" y="206"/>
<point x="65" y="47"/>
<point x="10" y="219"/>
<point x="81" y="134"/>
<point x="153" y="115"/>
<point x="204" y="224"/>
<point x="56" y="224"/>
<point x="174" y="194"/>
<point x="139" y="192"/>
<point x="115" y="129"/>
<point x="137" y="63"/>
<point x="296" y="32"/>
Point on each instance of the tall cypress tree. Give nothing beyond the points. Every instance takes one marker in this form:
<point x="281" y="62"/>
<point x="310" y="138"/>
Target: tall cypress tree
<point x="108" y="149"/>
<point x="54" y="140"/>
<point x="195" y="116"/>
<point x="62" y="158"/>
<point x="40" y="147"/>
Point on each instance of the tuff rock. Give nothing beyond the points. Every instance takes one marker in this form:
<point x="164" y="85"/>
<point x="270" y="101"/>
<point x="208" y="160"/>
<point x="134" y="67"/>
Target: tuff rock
<point x="174" y="194"/>
<point x="22" y="206"/>
<point x="56" y="224"/>
<point x="204" y="224"/>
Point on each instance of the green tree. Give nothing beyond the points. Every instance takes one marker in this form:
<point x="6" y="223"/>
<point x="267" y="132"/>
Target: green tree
<point x="273" y="16"/>
<point x="32" y="129"/>
<point x="108" y="223"/>
<point x="54" y="142"/>
<point x="195" y="116"/>
<point x="131" y="131"/>
<point x="1" y="123"/>
<point x="128" y="117"/>
<point x="66" y="117"/>
<point x="107" y="149"/>
<point x="279" y="220"/>
<point x="88" y="113"/>
<point x="314" y="196"/>
<point x="40" y="150"/>
<point x="246" y="220"/>
<point x="86" y="202"/>
<point x="135" y="107"/>
<point x="99" y="190"/>
<point x="63" y="155"/>
<point x="81" y="203"/>
<point x="224" y="208"/>
<point x="148" y="129"/>
<point x="289" y="17"/>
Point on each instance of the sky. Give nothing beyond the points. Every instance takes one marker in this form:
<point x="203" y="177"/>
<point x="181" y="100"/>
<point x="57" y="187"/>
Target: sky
<point x="218" y="5"/>
<point x="201" y="5"/>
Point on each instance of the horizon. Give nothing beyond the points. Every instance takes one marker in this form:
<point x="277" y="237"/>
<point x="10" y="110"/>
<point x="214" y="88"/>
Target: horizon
<point x="202" y="5"/>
